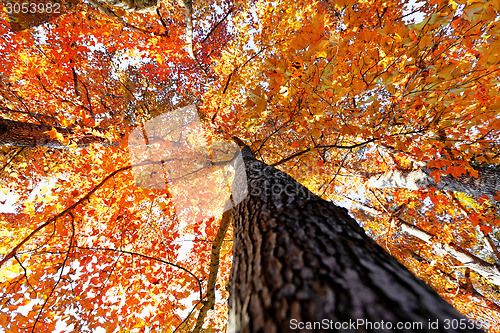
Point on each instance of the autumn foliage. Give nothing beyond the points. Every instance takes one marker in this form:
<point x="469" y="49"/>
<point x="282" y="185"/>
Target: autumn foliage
<point x="337" y="94"/>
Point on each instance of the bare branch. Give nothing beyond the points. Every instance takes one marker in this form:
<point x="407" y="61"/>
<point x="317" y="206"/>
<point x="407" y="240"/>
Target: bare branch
<point x="60" y="275"/>
<point x="215" y="26"/>
<point x="11" y="159"/>
<point x="209" y="303"/>
<point x="492" y="247"/>
<point x="322" y="146"/>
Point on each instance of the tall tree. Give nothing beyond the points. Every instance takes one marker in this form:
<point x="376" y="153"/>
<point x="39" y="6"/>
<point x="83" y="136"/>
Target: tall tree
<point x="299" y="259"/>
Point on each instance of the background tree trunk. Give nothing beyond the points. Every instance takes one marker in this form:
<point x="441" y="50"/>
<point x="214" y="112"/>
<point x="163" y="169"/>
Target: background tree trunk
<point x="20" y="134"/>
<point x="133" y="5"/>
<point x="489" y="271"/>
<point x="488" y="181"/>
<point x="298" y="258"/>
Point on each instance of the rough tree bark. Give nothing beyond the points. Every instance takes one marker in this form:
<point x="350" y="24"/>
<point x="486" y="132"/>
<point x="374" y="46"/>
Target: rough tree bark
<point x="298" y="258"/>
<point x="488" y="181"/>
<point x="139" y="6"/>
<point x="20" y="134"/>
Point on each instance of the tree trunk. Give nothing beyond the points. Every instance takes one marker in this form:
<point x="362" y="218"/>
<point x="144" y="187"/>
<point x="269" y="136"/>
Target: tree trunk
<point x="140" y="6"/>
<point x="489" y="271"/>
<point x="298" y="259"/>
<point x="488" y="181"/>
<point x="20" y="134"/>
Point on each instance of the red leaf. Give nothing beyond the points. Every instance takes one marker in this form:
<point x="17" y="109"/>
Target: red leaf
<point x="474" y="219"/>
<point x="486" y="229"/>
<point x="455" y="171"/>
<point x="436" y="174"/>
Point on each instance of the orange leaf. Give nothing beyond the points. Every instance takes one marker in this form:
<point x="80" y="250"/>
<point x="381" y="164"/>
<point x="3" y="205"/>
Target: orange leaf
<point x="89" y="122"/>
<point x="436" y="174"/>
<point x="438" y="163"/>
<point x="486" y="229"/>
<point x="55" y="135"/>
<point x="474" y="219"/>
<point x="473" y="173"/>
<point x="455" y="171"/>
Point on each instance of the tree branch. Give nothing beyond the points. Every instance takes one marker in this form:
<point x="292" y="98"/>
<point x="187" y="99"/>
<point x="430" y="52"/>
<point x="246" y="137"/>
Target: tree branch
<point x="209" y="303"/>
<point x="146" y="257"/>
<point x="322" y="146"/>
<point x="188" y="6"/>
<point x="11" y="159"/>
<point x="215" y="26"/>
<point x="60" y="275"/>
<point x="491" y="246"/>
<point x="111" y="14"/>
<point x="11" y="254"/>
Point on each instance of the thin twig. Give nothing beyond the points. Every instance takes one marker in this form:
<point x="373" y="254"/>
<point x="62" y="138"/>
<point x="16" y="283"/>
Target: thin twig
<point x="12" y="158"/>
<point x="146" y="257"/>
<point x="60" y="275"/>
<point x="215" y="26"/>
<point x="322" y="146"/>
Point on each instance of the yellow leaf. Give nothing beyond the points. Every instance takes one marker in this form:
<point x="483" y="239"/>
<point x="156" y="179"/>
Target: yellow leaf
<point x="66" y="122"/>
<point x="321" y="54"/>
<point x="445" y="71"/>
<point x="474" y="173"/>
<point x="318" y="23"/>
<point x="425" y="41"/>
<point x="316" y="133"/>
<point x="55" y="135"/>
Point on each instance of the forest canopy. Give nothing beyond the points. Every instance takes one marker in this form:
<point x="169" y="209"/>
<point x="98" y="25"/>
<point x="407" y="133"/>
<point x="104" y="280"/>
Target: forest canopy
<point x="387" y="108"/>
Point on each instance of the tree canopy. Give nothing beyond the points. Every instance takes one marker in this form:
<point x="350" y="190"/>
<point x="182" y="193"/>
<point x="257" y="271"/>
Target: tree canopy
<point x="390" y="108"/>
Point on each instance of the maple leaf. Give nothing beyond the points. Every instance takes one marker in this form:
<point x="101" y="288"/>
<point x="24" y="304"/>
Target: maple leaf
<point x="486" y="229"/>
<point x="54" y="134"/>
<point x="436" y="174"/>
<point x="455" y="171"/>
